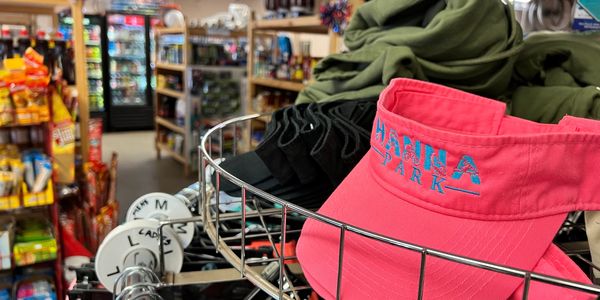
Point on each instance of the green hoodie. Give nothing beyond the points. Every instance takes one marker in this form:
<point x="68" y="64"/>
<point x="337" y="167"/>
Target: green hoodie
<point x="466" y="44"/>
<point x="557" y="74"/>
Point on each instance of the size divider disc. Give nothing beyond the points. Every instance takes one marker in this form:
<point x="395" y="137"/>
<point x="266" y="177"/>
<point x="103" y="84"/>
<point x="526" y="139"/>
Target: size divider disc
<point x="136" y="243"/>
<point x="162" y="206"/>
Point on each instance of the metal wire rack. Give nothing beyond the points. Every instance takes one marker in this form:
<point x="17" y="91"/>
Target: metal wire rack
<point x="260" y="205"/>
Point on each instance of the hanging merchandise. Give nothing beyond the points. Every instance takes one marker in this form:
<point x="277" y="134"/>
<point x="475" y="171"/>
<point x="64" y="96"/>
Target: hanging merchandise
<point x="335" y="15"/>
<point x="384" y="44"/>
<point x="447" y="171"/>
<point x="27" y="79"/>
<point x="95" y="137"/>
<point x="63" y="140"/>
<point x="307" y="151"/>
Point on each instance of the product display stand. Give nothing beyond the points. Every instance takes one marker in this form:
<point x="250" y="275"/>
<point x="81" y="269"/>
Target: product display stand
<point x="161" y="122"/>
<point x="19" y="6"/>
<point x="76" y="6"/>
<point x="185" y="69"/>
<point x="266" y="273"/>
<point x="256" y="28"/>
<point x="271" y="28"/>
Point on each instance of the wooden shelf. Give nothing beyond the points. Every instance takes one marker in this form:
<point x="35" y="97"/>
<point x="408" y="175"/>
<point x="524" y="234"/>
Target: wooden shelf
<point x="172" y="67"/>
<point x="170" y="92"/>
<point x="169" y="124"/>
<point x="278" y="84"/>
<point x="309" y="24"/>
<point x="164" y="148"/>
<point x="194" y="31"/>
<point x="170" y="30"/>
<point x="23" y="125"/>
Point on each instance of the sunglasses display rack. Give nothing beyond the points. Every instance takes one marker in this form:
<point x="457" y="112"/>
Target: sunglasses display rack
<point x="244" y="253"/>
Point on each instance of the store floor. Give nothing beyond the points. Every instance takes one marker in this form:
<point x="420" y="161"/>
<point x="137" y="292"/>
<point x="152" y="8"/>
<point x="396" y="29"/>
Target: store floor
<point x="139" y="172"/>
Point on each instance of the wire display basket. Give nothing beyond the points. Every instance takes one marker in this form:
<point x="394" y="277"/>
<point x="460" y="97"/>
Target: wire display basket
<point x="258" y="205"/>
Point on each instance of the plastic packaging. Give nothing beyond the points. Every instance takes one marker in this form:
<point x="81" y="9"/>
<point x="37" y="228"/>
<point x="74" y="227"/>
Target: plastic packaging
<point x="42" y="177"/>
<point x="29" y="169"/>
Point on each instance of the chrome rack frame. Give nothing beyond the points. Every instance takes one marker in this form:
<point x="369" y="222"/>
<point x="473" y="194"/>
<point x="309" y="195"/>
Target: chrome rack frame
<point x="211" y="220"/>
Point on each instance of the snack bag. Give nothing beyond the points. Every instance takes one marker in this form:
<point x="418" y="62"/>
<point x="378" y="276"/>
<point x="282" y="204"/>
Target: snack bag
<point x="15" y="79"/>
<point x="63" y="141"/>
<point x="37" y="81"/>
<point x="6" y="106"/>
<point x="38" y="92"/>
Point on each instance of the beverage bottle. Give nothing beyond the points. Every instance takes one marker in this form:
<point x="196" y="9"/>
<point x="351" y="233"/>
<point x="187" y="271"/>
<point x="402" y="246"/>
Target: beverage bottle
<point x="23" y="42"/>
<point x="6" y="44"/>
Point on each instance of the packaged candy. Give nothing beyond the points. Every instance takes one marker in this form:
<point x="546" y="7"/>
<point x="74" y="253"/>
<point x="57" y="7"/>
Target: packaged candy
<point x="6" y="106"/>
<point x="32" y="56"/>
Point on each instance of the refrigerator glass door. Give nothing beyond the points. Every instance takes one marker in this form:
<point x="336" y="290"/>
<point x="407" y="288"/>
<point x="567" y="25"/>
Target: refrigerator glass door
<point x="127" y="55"/>
<point x="92" y="36"/>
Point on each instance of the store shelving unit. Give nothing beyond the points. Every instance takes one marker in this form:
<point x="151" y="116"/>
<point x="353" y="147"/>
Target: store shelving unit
<point x="308" y="24"/>
<point x="188" y="154"/>
<point x="163" y="123"/>
<point x="271" y="28"/>
<point x="33" y="6"/>
<point x="171" y="67"/>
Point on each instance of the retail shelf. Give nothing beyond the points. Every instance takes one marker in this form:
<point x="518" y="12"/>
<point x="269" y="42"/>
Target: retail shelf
<point x="278" y="84"/>
<point x="114" y="74"/>
<point x="309" y="24"/>
<point x="175" y="155"/>
<point x="170" y="124"/>
<point x="93" y="60"/>
<point x="216" y="68"/>
<point x="195" y="31"/>
<point x="171" y="30"/>
<point x="23" y="125"/>
<point x="172" y="67"/>
<point x="170" y="92"/>
<point x="37" y="263"/>
<point x="126" y="41"/>
<point x="127" y="57"/>
<point x="92" y="43"/>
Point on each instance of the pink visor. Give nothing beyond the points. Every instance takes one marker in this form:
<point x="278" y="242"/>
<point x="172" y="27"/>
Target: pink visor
<point x="450" y="171"/>
<point x="555" y="263"/>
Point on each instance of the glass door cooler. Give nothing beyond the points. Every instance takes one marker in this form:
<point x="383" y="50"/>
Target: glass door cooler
<point x="128" y="39"/>
<point x="95" y="39"/>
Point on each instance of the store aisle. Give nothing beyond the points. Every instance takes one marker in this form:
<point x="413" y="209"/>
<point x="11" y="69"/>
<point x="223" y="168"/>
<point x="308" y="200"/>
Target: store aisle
<point x="139" y="171"/>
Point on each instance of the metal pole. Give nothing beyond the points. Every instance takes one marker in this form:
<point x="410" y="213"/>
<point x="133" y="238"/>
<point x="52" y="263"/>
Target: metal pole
<point x="282" y="249"/>
<point x="217" y="209"/>
<point x="422" y="274"/>
<point x="526" y="286"/>
<point x="243" y="254"/>
<point x="340" y="262"/>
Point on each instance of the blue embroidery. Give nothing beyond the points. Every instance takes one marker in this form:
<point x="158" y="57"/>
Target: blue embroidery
<point x="380" y="131"/>
<point x="412" y="152"/>
<point x="416" y="175"/>
<point x="467" y="165"/>
<point x="434" y="161"/>
<point x="393" y="142"/>
<point x="436" y="184"/>
<point x="437" y="161"/>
